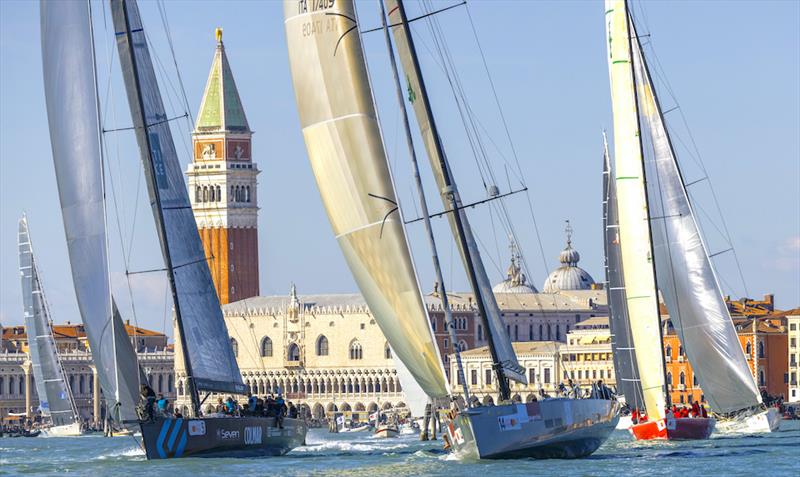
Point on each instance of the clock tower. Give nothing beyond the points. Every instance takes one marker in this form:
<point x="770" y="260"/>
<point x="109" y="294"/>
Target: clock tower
<point x="222" y="184"/>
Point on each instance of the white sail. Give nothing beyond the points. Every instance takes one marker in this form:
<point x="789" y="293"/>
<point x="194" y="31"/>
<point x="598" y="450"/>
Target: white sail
<point x="413" y="395"/>
<point x="418" y="97"/>
<point x="71" y="97"/>
<point x="342" y="136"/>
<point x="628" y="384"/>
<point x="55" y="399"/>
<point x="208" y="347"/>
<point x="686" y="277"/>
<point x="634" y="230"/>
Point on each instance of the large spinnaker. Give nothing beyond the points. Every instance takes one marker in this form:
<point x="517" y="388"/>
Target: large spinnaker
<point x="684" y="271"/>
<point x="344" y="145"/>
<point x="54" y="395"/>
<point x="71" y="98"/>
<point x="628" y="384"/>
<point x="634" y="229"/>
<point x="427" y="126"/>
<point x="213" y="364"/>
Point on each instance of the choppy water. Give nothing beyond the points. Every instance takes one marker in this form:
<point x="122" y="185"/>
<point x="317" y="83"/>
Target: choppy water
<point x="776" y="454"/>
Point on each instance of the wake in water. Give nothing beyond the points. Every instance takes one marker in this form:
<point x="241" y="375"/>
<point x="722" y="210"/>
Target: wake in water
<point x="122" y="454"/>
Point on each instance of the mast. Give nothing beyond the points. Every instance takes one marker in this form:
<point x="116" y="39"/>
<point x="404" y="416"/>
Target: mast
<point x="450" y="196"/>
<point x="449" y="323"/>
<point x="631" y="33"/>
<point x="193" y="393"/>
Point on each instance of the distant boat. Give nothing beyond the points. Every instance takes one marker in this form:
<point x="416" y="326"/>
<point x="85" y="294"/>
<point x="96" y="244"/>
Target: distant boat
<point x="55" y="396"/>
<point x="387" y="430"/>
<point x="661" y="250"/>
<point x="343" y="140"/>
<point x="208" y="356"/>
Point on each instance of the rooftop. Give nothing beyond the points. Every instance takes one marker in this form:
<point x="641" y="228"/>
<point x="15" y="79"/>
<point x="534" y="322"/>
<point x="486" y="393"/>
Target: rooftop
<point x="221" y="108"/>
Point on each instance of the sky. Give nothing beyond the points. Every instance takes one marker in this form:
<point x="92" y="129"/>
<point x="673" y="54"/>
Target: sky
<point x="732" y="69"/>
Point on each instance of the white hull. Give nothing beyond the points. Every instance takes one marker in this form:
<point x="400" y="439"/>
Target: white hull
<point x="761" y="422"/>
<point x="624" y="423"/>
<point x="386" y="431"/>
<point x="355" y="429"/>
<point x="70" y="430"/>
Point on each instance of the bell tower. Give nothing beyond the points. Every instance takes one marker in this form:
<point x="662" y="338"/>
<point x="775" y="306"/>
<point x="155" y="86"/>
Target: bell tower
<point x="222" y="184"/>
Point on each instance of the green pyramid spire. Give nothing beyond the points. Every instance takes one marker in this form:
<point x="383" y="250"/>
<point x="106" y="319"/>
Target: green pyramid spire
<point x="221" y="108"/>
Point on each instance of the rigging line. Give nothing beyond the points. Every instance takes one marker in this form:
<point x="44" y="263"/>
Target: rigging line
<point x="174" y="267"/>
<point x="163" y="10"/>
<point x="494" y="91"/>
<point x="463" y="206"/>
<point x="410" y="20"/>
<point x="131" y="128"/>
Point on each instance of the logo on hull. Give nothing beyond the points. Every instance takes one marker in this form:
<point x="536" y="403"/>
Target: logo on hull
<point x="252" y="435"/>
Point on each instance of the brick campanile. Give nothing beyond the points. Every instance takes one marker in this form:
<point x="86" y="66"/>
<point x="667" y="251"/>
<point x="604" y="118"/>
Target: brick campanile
<point x="222" y="184"/>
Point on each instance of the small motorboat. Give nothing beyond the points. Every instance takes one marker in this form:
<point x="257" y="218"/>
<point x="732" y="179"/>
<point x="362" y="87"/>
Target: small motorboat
<point x="387" y="430"/>
<point x="68" y="430"/>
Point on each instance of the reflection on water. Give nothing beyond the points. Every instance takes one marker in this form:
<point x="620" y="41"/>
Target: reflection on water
<point x="360" y="454"/>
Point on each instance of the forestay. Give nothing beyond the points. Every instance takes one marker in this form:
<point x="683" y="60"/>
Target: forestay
<point x="686" y="277"/>
<point x="342" y="136"/>
<point x="197" y="306"/>
<point x="634" y="231"/>
<point x="418" y="97"/>
<point x="71" y="98"/>
<point x="628" y="384"/>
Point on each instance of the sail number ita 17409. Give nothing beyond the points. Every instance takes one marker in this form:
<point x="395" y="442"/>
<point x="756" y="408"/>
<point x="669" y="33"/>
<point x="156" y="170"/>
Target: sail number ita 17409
<point x="305" y="6"/>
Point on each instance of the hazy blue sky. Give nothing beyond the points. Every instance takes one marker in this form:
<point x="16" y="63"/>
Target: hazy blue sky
<point x="734" y="67"/>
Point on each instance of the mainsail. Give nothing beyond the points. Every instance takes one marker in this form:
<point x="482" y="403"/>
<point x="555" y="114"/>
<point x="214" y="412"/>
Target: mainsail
<point x="55" y="399"/>
<point x="211" y="364"/>
<point x="628" y="384"/>
<point x="71" y="97"/>
<point x="343" y="140"/>
<point x="685" y="275"/>
<point x="633" y="216"/>
<point x="418" y="97"/>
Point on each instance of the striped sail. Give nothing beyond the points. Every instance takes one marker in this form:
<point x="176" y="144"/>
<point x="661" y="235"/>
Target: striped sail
<point x="343" y="140"/>
<point x="418" y="97"/>
<point x="71" y="97"/>
<point x="55" y="399"/>
<point x="209" y="350"/>
<point x="634" y="229"/>
<point x="685" y="275"/>
<point x="628" y="384"/>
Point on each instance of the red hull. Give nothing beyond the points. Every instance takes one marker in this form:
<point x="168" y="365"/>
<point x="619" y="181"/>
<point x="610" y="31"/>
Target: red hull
<point x="674" y="429"/>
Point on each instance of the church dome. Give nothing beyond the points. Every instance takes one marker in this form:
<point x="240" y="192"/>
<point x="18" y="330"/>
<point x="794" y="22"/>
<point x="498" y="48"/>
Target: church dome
<point x="516" y="281"/>
<point x="569" y="276"/>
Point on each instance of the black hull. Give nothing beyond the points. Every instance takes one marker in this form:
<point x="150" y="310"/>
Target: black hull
<point x="221" y="437"/>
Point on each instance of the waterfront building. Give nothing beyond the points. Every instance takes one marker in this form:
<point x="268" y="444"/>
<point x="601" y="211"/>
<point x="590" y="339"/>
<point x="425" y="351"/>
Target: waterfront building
<point x="17" y="387"/>
<point x="223" y="186"/>
<point x="587" y="357"/>
<point x="793" y="326"/>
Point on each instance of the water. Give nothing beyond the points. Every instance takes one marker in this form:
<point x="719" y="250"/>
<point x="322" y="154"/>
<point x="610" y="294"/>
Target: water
<point x="358" y="454"/>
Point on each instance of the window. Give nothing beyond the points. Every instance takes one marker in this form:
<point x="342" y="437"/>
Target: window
<point x="531" y="375"/>
<point x="748" y="349"/>
<point x="694" y="380"/>
<point x="219" y="193"/>
<point x="474" y="377"/>
<point x="540" y="332"/>
<point x="232" y="197"/>
<point x="558" y="333"/>
<point x="548" y="331"/>
<point x="387" y="351"/>
<point x="480" y="333"/>
<point x="680" y="351"/>
<point x="760" y="349"/>
<point x="462" y="345"/>
<point x="293" y="353"/>
<point x="547" y="375"/>
<point x="197" y="194"/>
<point x="516" y="332"/>
<point x="235" y="347"/>
<point x="266" y="347"/>
<point x="793" y="343"/>
<point x="212" y="194"/>
<point x="793" y="326"/>
<point x="487" y="378"/>
<point x="322" y="346"/>
<point x="668" y="352"/>
<point x="669" y="379"/>
<point x="446" y="343"/>
<point x="761" y="380"/>
<point x="508" y="331"/>
<point x="682" y="378"/>
<point x="247" y="194"/>
<point x="530" y="332"/>
<point x="433" y="323"/>
<point x="356" y="352"/>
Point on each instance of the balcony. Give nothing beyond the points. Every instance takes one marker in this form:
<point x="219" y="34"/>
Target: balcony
<point x="681" y="387"/>
<point x="293" y="363"/>
<point x="681" y="358"/>
<point x="667" y="359"/>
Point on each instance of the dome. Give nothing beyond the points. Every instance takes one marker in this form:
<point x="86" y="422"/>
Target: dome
<point x="516" y="281"/>
<point x="569" y="276"/>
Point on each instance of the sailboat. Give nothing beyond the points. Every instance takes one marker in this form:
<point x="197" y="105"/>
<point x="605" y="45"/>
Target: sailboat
<point x="662" y="250"/>
<point x="208" y="357"/>
<point x="55" y="396"/>
<point x="342" y="135"/>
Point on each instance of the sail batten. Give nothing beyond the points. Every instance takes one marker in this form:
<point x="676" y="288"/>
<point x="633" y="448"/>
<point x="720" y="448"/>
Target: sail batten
<point x="633" y="216"/>
<point x="71" y="99"/>
<point x="343" y="141"/>
<point x="686" y="277"/>
<point x="208" y="353"/>
<point x="467" y="245"/>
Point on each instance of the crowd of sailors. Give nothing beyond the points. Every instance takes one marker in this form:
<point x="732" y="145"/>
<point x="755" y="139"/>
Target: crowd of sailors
<point x="696" y="410"/>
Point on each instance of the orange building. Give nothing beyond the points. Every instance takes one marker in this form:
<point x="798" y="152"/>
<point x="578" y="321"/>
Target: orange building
<point x="762" y="334"/>
<point x="222" y="185"/>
